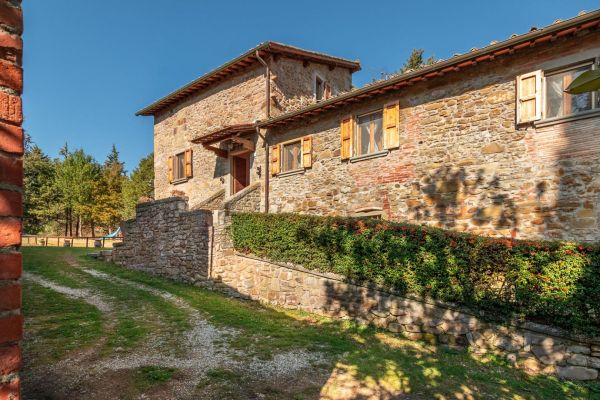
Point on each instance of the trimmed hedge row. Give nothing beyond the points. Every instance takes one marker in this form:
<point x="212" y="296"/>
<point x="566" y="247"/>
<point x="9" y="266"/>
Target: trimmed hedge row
<point x="544" y="281"/>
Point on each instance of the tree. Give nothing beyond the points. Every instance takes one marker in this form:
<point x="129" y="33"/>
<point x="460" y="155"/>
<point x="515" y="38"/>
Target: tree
<point x="140" y="184"/>
<point x="415" y="61"/>
<point x="76" y="181"/>
<point x="64" y="151"/>
<point x="40" y="199"/>
<point x="109" y="204"/>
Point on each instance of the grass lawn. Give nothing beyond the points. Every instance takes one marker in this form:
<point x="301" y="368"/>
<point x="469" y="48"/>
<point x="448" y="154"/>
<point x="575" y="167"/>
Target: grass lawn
<point x="151" y="345"/>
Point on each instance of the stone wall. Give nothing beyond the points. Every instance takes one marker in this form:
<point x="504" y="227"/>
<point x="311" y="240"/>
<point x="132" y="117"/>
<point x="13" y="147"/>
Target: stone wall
<point x="463" y="163"/>
<point x="167" y="239"/>
<point x="214" y="202"/>
<point x="11" y="197"/>
<point x="533" y="347"/>
<point x="294" y="83"/>
<point x="246" y="200"/>
<point x="240" y="99"/>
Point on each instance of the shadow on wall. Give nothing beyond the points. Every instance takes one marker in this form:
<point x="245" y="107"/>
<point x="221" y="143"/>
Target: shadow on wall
<point x="222" y="166"/>
<point x="555" y="199"/>
<point x="367" y="363"/>
<point x="448" y="195"/>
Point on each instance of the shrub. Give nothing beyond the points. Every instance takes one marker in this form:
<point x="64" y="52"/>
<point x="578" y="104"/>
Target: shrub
<point x="551" y="282"/>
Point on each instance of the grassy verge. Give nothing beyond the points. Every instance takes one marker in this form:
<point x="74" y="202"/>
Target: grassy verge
<point x="365" y="355"/>
<point x="138" y="314"/>
<point x="371" y="356"/>
<point x="58" y="323"/>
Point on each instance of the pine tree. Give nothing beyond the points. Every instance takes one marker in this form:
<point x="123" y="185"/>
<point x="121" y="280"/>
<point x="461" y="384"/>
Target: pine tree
<point x="415" y="61"/>
<point x="40" y="198"/>
<point x="110" y="202"/>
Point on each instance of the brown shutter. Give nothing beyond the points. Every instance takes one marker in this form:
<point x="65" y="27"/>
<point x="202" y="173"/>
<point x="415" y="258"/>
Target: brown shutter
<point x="346" y="137"/>
<point x="307" y="151"/>
<point x="391" y="125"/>
<point x="529" y="97"/>
<point x="170" y="168"/>
<point x="275" y="159"/>
<point x="188" y="163"/>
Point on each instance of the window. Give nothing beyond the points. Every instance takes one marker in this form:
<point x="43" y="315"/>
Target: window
<point x="541" y="94"/>
<point x="295" y="155"/>
<point x="561" y="104"/>
<point x="179" y="167"/>
<point x="368" y="135"/>
<point x="291" y="156"/>
<point x="319" y="88"/>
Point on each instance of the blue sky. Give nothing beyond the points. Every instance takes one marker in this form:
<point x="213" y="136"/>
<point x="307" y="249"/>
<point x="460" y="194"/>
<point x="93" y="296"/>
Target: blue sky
<point x="90" y="65"/>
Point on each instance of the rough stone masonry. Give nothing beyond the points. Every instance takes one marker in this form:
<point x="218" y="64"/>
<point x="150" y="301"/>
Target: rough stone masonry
<point x="11" y="192"/>
<point x="464" y="160"/>
<point x="167" y="240"/>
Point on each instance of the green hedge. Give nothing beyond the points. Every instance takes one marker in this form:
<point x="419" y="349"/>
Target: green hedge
<point x="549" y="282"/>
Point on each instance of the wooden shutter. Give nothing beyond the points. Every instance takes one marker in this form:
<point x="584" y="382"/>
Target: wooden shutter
<point x="529" y="97"/>
<point x="275" y="159"/>
<point x="346" y="137"/>
<point x="170" y="168"/>
<point x="307" y="151"/>
<point x="391" y="125"/>
<point x="188" y="163"/>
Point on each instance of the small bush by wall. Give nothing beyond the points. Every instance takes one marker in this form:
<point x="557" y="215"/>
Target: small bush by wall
<point x="544" y="281"/>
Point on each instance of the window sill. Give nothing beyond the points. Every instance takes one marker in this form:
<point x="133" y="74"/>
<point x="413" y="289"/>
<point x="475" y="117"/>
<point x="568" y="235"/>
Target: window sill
<point x="290" y="173"/>
<point x="369" y="156"/>
<point x="560" y="120"/>
<point x="179" y="181"/>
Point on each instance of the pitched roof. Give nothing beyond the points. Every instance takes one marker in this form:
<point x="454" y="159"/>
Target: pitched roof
<point x="242" y="62"/>
<point x="456" y="63"/>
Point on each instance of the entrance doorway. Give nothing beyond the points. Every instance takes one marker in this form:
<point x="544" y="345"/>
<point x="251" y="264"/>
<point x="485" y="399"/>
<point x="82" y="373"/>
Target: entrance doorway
<point x="240" y="172"/>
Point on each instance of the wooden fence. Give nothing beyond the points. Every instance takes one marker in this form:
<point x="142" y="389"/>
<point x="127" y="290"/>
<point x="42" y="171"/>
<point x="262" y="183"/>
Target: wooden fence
<point x="59" y="241"/>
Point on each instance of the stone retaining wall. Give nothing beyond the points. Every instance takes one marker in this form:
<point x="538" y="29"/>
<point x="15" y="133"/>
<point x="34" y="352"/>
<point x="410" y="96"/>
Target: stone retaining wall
<point x="533" y="347"/>
<point x="167" y="239"/>
<point x="195" y="246"/>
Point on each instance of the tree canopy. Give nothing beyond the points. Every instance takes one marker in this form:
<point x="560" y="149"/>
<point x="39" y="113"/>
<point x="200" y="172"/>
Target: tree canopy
<point x="74" y="195"/>
<point x="416" y="61"/>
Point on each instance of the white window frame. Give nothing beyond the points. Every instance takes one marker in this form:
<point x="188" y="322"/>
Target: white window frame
<point x="546" y="73"/>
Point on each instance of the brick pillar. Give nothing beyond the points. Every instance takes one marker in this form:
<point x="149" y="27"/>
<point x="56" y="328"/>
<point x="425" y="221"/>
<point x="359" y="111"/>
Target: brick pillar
<point x="11" y="195"/>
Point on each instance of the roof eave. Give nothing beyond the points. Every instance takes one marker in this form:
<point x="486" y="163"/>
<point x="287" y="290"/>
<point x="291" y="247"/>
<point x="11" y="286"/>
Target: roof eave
<point x="274" y="47"/>
<point x="471" y="57"/>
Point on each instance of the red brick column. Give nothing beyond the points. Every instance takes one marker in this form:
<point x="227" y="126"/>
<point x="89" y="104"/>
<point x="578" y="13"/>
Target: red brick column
<point x="11" y="194"/>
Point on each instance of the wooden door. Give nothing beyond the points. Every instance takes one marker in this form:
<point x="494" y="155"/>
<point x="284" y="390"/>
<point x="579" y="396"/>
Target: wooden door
<point x="240" y="172"/>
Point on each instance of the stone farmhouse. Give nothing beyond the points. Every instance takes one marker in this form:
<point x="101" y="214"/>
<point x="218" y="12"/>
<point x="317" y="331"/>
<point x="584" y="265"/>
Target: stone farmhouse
<point x="486" y="142"/>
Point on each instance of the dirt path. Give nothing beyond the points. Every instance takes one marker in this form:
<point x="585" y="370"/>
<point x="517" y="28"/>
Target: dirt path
<point x="202" y="353"/>
<point x="203" y="348"/>
<point x="86" y="295"/>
